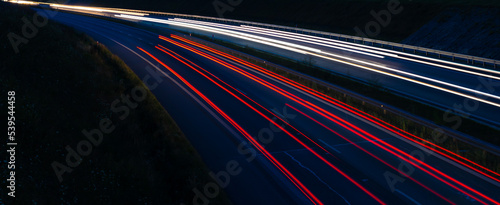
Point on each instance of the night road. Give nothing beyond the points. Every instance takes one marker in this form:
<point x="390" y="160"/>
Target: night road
<point x="268" y="114"/>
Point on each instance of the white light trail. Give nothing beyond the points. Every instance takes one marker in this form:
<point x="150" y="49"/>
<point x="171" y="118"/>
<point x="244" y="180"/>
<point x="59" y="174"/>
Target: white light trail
<point x="295" y="48"/>
<point x="290" y="37"/>
<point x="24" y="2"/>
<point x="321" y="41"/>
<point x="95" y="9"/>
<point x="389" y="52"/>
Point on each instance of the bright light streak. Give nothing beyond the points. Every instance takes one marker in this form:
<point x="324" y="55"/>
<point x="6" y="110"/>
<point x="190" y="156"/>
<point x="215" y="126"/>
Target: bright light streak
<point x="290" y="37"/>
<point x="254" y="142"/>
<point x="353" y="110"/>
<point x="177" y="56"/>
<point x="24" y="2"/>
<point x="286" y="94"/>
<point x="371" y="154"/>
<point x="393" y="150"/>
<point x="95" y="9"/>
<point x="388" y="52"/>
<point x="244" y="36"/>
<point x="419" y="82"/>
<point x="258" y="39"/>
<point x="284" y="45"/>
<point x="442" y="82"/>
<point x="365" y="135"/>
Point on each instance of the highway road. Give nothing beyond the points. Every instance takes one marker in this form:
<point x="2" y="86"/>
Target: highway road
<point x="441" y="83"/>
<point x="309" y="149"/>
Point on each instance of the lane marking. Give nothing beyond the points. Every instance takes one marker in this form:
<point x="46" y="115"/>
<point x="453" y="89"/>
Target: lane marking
<point x="241" y="91"/>
<point x="408" y="197"/>
<point x="319" y="178"/>
<point x="278" y="113"/>
<point x="232" y="131"/>
<point x="441" y="157"/>
<point x="336" y="150"/>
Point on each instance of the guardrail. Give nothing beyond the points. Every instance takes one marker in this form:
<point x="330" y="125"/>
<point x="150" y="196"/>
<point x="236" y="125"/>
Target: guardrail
<point x="455" y="57"/>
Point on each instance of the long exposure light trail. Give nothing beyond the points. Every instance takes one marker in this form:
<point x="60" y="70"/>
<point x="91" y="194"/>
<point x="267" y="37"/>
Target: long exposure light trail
<point x="425" y="143"/>
<point x="254" y="142"/>
<point x="372" y="155"/>
<point x="94" y="9"/>
<point x="219" y="81"/>
<point x="387" y="52"/>
<point x="296" y="139"/>
<point x="306" y="40"/>
<point x="385" y="146"/>
<point x="281" y="44"/>
<point x="351" y="47"/>
<point x="267" y="41"/>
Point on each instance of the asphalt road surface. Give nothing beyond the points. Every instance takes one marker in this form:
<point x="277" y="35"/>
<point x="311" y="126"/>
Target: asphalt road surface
<point x="320" y="152"/>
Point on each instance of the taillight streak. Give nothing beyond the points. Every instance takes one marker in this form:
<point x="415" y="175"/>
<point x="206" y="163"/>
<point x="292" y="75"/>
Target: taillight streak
<point x="272" y="121"/>
<point x="238" y="91"/>
<point x="371" y="154"/>
<point x="369" y="137"/>
<point x="310" y="106"/>
<point x="254" y="142"/>
<point x="451" y="155"/>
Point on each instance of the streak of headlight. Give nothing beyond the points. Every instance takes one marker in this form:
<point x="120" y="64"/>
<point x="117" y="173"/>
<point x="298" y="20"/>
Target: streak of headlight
<point x="85" y="8"/>
<point x="284" y="46"/>
<point x="306" y="40"/>
<point x="324" y="42"/>
<point x="24" y="2"/>
<point x="387" y="52"/>
<point x="267" y="41"/>
<point x="254" y="38"/>
<point x="417" y="82"/>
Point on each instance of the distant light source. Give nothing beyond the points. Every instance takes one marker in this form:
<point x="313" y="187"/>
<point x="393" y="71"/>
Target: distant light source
<point x="85" y="8"/>
<point x="23" y="2"/>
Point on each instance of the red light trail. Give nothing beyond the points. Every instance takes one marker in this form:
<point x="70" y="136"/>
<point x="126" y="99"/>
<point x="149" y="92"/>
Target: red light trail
<point x="432" y="146"/>
<point x="254" y="142"/>
<point x="169" y="52"/>
<point x="315" y="108"/>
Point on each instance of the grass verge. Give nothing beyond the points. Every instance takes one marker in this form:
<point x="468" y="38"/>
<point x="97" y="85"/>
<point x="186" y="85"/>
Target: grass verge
<point x="66" y="83"/>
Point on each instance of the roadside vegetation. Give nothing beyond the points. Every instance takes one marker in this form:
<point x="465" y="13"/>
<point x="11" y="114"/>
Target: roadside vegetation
<point x="65" y="83"/>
